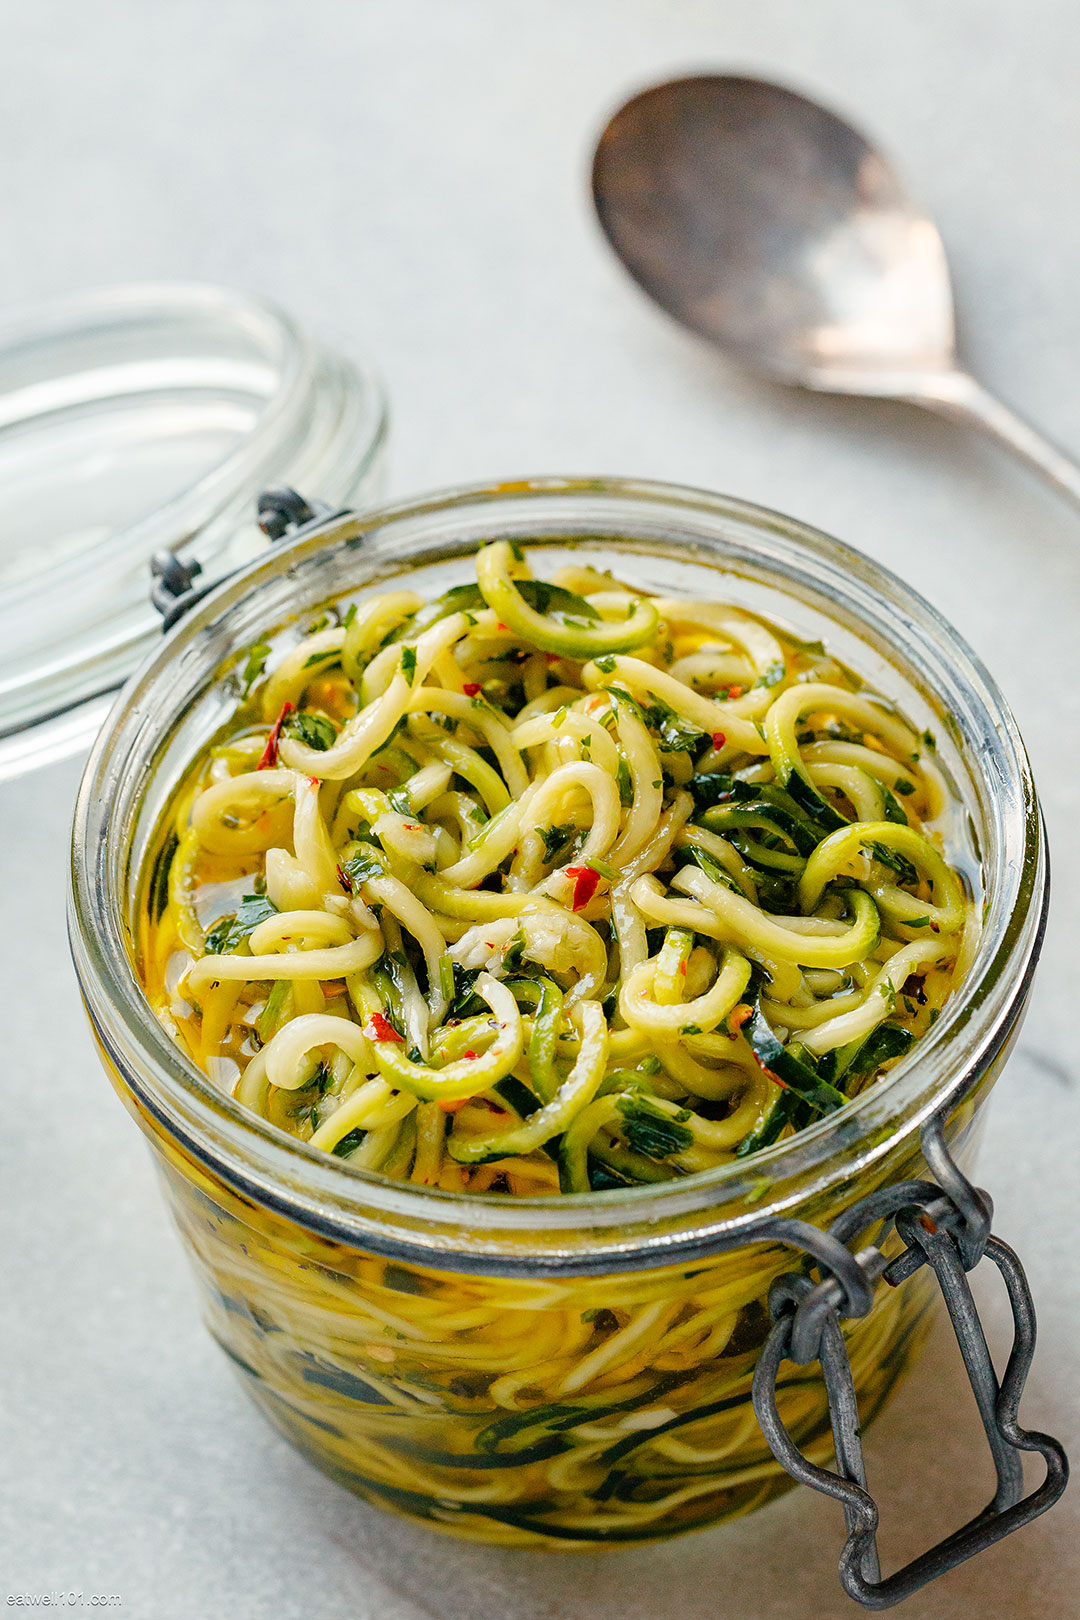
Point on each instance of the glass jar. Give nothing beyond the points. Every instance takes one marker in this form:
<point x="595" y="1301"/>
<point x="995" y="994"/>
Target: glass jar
<point x="577" y="1370"/>
<point x="140" y="420"/>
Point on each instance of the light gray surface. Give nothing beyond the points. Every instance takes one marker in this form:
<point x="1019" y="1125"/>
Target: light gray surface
<point x="409" y="175"/>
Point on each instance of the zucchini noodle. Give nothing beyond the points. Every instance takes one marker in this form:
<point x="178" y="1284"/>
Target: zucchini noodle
<point x="545" y="887"/>
<point x="662" y="854"/>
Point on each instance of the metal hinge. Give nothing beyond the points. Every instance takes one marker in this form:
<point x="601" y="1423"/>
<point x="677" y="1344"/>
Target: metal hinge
<point x="282" y="514"/>
<point x="947" y="1227"/>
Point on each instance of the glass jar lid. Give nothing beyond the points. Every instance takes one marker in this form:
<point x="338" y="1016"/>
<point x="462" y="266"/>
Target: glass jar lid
<point x="135" y="420"/>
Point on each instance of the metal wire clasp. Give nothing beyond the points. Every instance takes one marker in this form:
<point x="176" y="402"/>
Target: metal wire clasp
<point x="282" y="513"/>
<point x="947" y="1227"/>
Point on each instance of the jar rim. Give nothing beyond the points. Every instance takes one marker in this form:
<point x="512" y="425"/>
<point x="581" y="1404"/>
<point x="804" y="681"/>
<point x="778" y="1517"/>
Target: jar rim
<point x="625" y="1228"/>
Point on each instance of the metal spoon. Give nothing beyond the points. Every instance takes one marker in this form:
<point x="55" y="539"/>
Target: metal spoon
<point x="770" y="226"/>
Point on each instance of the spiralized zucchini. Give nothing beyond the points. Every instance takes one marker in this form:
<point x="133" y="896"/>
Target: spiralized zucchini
<point x="551" y="885"/>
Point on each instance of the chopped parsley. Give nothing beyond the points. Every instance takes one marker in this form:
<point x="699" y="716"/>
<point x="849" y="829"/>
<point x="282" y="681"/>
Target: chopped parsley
<point x="324" y="657"/>
<point x="898" y="863"/>
<point x="544" y="597"/>
<point x="625" y="781"/>
<point x="555" y="840"/>
<point x="274" y="1010"/>
<point x="709" y="865"/>
<point x="322" y="1079"/>
<point x="464" y="980"/>
<point x="229" y="932"/>
<point x="400" y="799"/>
<point x="256" y="663"/>
<point x="713" y="787"/>
<point x="676" y="734"/>
<point x="362" y="867"/>
<point x="649" y="1130"/>
<point x="350" y="1143"/>
<point x="316" y="730"/>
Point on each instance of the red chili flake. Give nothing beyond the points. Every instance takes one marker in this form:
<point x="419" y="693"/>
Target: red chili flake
<point x="718" y="739"/>
<point x="935" y="928"/>
<point x="500" y="626"/>
<point x="682" y="970"/>
<point x="471" y="688"/>
<point x="913" y="986"/>
<point x="344" y="879"/>
<point x="379" y="1028"/>
<point x="411" y="826"/>
<point x="451" y="1106"/>
<point x="551" y="658"/>
<point x="734" y="691"/>
<point x="585" y="880"/>
<point x="269" y="754"/>
<point x="764" y="1067"/>
<point x="471" y="1055"/>
<point x="737" y="1018"/>
<point x="313" y="781"/>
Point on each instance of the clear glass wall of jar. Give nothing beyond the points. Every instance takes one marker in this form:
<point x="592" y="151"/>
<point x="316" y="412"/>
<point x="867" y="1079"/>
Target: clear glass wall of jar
<point x="570" y="1371"/>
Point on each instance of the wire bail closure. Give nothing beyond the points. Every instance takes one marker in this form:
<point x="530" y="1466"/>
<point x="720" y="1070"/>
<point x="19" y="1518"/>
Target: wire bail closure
<point x="283" y="514"/>
<point x="947" y="1227"/>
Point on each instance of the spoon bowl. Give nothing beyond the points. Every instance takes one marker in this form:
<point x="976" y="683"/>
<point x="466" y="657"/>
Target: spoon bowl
<point x="767" y="224"/>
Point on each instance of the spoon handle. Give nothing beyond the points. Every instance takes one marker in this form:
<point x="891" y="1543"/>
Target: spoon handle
<point x="960" y="396"/>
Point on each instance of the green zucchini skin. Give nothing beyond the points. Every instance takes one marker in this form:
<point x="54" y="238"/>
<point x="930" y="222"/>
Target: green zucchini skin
<point x="787" y="1068"/>
<point x="882" y="1045"/>
<point x="815" y="805"/>
<point x="785" y="1109"/>
<point x="468" y="707"/>
<point x="755" y="813"/>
